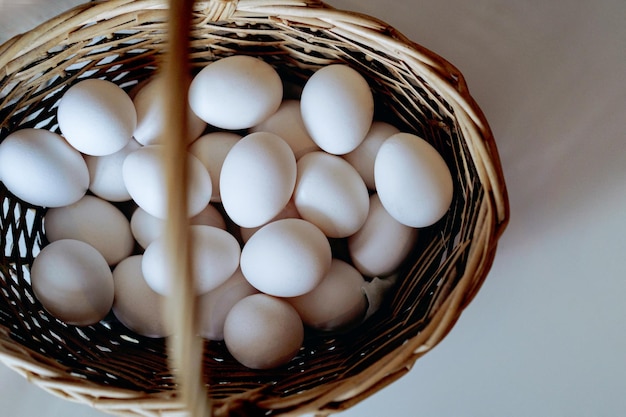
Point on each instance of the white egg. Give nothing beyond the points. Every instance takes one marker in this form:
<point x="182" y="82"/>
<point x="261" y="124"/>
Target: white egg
<point x="73" y="282"/>
<point x="96" y="117"/>
<point x="105" y="174"/>
<point x="214" y="306"/>
<point x="236" y="92"/>
<point x="289" y="212"/>
<point x="337" y="108"/>
<point x="363" y="157"/>
<point x="380" y="246"/>
<point x="263" y="332"/>
<point x="337" y="302"/>
<point x="136" y="305"/>
<point x="257" y="179"/>
<point x="331" y="194"/>
<point x="210" y="216"/>
<point x="211" y="149"/>
<point x="41" y="168"/>
<point x="94" y="221"/>
<point x="287" y="123"/>
<point x="215" y="257"/>
<point x="150" y="105"/>
<point x="146" y="228"/>
<point x="412" y="180"/>
<point x="145" y="179"/>
<point x="286" y="258"/>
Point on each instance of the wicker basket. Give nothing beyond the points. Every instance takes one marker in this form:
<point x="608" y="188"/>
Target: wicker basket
<point x="116" y="371"/>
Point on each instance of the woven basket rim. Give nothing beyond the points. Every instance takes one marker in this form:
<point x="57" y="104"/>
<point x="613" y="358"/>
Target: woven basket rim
<point x="32" y="45"/>
<point x="23" y="46"/>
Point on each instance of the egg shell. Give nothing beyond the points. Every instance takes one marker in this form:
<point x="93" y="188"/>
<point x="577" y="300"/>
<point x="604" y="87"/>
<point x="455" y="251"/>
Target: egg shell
<point x="331" y="194"/>
<point x="73" y="282"/>
<point x="211" y="149"/>
<point x="136" y="305"/>
<point x="146" y="228"/>
<point x="214" y="306"/>
<point x="380" y="246"/>
<point x="263" y="332"/>
<point x="257" y="179"/>
<point x="364" y="156"/>
<point x="41" y="168"/>
<point x="94" y="221"/>
<point x="105" y="174"/>
<point x="145" y="179"/>
<point x="289" y="212"/>
<point x="215" y="257"/>
<point x="287" y="123"/>
<point x="210" y="216"/>
<point x="150" y="106"/>
<point x="96" y="117"/>
<point x="337" y="108"/>
<point x="286" y="258"/>
<point x="236" y="92"/>
<point x="337" y="302"/>
<point x="412" y="180"/>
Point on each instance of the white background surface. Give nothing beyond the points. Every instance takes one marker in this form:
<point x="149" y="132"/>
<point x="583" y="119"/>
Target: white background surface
<point x="546" y="335"/>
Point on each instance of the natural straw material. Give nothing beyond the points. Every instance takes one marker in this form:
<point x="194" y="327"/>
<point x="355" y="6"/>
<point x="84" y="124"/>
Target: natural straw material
<point x="124" y="41"/>
<point x="184" y="344"/>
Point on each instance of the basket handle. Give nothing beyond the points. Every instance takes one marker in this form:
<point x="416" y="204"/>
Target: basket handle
<point x="184" y="345"/>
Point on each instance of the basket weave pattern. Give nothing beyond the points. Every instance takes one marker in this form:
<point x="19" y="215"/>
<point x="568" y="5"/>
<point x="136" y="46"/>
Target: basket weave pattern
<point x="123" y="41"/>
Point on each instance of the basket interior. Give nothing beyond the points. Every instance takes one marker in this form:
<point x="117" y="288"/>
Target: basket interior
<point x="108" y="354"/>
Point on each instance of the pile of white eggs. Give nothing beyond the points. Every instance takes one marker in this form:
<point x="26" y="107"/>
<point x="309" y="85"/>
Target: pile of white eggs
<point x="264" y="205"/>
